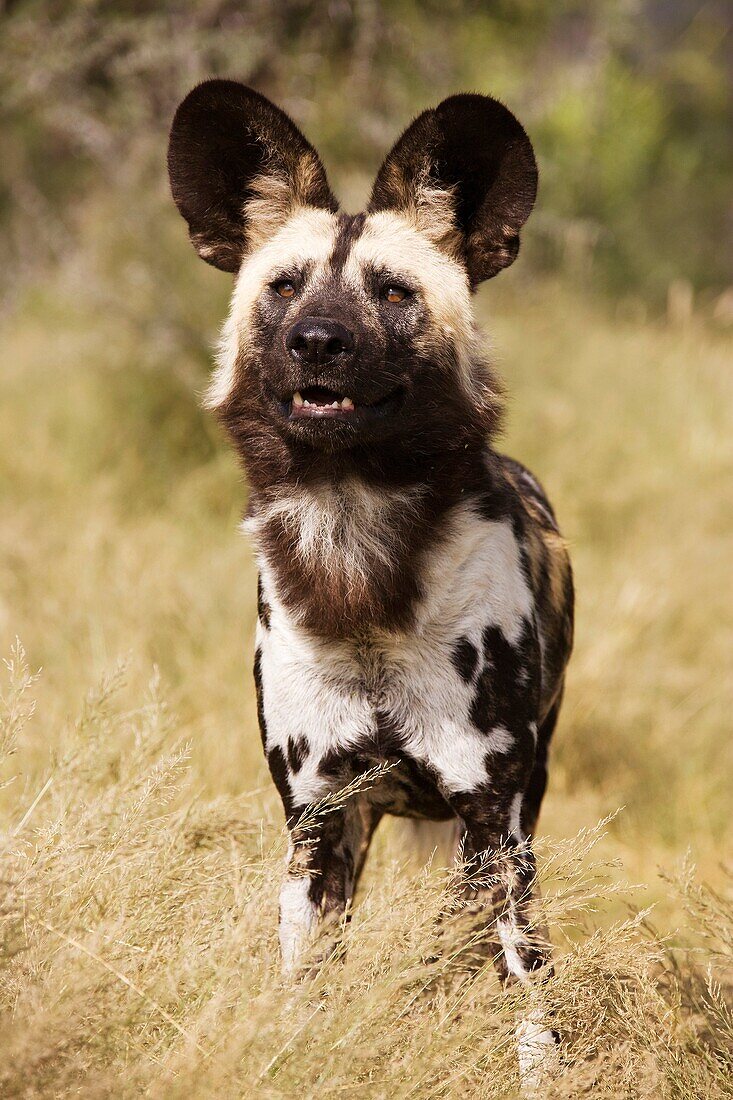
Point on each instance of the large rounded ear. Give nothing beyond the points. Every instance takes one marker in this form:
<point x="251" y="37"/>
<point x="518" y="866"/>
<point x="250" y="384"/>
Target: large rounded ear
<point x="465" y="173"/>
<point x="238" y="168"/>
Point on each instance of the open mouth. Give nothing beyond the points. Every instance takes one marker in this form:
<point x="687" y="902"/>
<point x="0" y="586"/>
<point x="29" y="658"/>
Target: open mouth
<point x="319" y="402"/>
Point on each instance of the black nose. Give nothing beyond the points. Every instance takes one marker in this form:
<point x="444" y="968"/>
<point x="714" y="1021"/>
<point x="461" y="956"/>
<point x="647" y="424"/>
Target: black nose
<point x="318" y="340"/>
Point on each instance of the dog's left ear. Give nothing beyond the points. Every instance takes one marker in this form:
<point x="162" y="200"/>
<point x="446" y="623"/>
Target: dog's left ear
<point x="465" y="174"/>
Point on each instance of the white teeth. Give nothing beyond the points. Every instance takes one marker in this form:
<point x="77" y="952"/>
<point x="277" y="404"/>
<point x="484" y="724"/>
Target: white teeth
<point x="299" y="403"/>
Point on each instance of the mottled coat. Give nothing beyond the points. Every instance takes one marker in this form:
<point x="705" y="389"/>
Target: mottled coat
<point x="415" y="596"/>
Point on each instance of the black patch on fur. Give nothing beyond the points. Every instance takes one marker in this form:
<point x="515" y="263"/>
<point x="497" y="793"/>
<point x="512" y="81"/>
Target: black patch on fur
<point x="507" y="695"/>
<point x="297" y="752"/>
<point x="410" y="789"/>
<point x="465" y="659"/>
<point x="496" y="501"/>
<point x="260" y="697"/>
<point x="263" y="607"/>
<point x="329" y="869"/>
<point x="389" y="739"/>
<point x="507" y="689"/>
<point x="335" y="764"/>
<point x="279" y="772"/>
<point x="350" y="228"/>
<point x="538" y="782"/>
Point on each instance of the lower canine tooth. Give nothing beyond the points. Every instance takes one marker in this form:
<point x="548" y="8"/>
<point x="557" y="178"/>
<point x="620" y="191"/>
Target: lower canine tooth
<point x="347" y="403"/>
<point x="297" y="400"/>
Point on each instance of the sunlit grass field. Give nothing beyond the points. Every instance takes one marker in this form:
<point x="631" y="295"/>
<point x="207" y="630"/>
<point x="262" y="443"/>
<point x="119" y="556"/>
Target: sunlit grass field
<point x="142" y="840"/>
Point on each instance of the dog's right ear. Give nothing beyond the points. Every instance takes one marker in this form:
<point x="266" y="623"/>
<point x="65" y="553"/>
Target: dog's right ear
<point x="238" y="168"/>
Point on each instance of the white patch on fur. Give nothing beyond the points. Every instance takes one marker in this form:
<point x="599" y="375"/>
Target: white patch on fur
<point x="457" y="752"/>
<point x="538" y="1056"/>
<point x="298" y="920"/>
<point x="515" y="816"/>
<point x="476" y="577"/>
<point x="511" y="940"/>
<point x="307" y="237"/>
<point x="499" y="740"/>
<point x="310" y="690"/>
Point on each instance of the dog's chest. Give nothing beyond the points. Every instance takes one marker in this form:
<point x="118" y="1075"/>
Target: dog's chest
<point x="331" y="709"/>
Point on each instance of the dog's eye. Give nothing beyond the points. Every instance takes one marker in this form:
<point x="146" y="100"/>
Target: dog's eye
<point x="285" y="288"/>
<point x="395" y="294"/>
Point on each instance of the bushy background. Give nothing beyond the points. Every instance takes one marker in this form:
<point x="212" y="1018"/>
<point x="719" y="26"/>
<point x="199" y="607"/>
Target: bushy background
<point x="140" y="880"/>
<point x="627" y="101"/>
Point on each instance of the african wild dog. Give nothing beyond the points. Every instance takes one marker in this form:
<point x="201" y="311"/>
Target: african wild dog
<point x="415" y="597"/>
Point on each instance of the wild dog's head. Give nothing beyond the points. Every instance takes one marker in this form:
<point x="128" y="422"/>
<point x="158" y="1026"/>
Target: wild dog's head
<point x="346" y="330"/>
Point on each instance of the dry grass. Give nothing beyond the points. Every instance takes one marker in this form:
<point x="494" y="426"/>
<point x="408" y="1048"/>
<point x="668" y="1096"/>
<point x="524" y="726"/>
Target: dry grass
<point x="141" y="849"/>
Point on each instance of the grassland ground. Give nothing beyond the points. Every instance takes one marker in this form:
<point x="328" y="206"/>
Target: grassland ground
<point x="141" y="837"/>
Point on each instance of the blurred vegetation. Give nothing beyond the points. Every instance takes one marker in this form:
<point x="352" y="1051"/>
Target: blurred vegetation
<point x="627" y="101"/>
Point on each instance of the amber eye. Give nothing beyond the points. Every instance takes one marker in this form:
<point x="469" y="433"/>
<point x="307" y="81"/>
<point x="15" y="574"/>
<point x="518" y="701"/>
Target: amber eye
<point x="285" y="288"/>
<point x="395" y="294"/>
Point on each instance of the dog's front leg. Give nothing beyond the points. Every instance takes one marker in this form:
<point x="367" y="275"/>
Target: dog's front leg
<point x="499" y="887"/>
<point x="322" y="868"/>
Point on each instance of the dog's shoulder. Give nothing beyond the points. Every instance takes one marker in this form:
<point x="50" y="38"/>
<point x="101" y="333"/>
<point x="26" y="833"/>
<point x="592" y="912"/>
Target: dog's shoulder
<point x="529" y="491"/>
